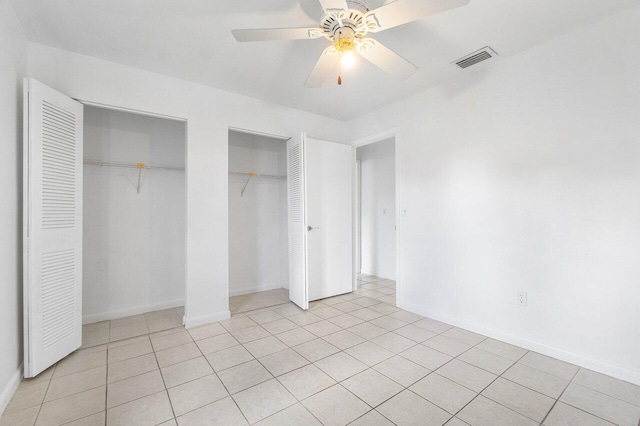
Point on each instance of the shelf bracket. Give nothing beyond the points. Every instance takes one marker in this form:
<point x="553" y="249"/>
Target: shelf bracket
<point x="251" y="174"/>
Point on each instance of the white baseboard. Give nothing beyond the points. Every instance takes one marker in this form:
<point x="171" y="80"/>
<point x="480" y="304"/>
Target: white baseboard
<point x="254" y="289"/>
<point x="375" y="274"/>
<point x="10" y="388"/>
<point x="190" y="322"/>
<point x="133" y="310"/>
<point x="622" y="373"/>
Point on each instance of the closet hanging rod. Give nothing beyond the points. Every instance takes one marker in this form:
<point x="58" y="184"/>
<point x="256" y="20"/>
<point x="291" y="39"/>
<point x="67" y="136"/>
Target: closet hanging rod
<point x="130" y="165"/>
<point x="258" y="175"/>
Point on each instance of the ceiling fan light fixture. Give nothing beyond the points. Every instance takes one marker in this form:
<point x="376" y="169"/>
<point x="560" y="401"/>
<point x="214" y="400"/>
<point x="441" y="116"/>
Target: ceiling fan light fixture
<point x="348" y="59"/>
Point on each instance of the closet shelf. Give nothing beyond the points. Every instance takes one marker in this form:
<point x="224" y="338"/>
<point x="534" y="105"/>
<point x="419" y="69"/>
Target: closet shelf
<point x="130" y="165"/>
<point x="250" y="175"/>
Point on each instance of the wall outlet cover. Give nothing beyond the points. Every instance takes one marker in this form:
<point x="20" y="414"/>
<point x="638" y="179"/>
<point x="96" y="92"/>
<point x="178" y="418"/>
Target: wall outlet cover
<point x="522" y="298"/>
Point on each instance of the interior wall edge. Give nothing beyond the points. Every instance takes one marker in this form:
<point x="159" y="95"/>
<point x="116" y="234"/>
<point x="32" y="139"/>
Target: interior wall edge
<point x="10" y="388"/>
<point x="135" y="310"/>
<point x="617" y="371"/>
<point x="254" y="289"/>
<point x="190" y="322"/>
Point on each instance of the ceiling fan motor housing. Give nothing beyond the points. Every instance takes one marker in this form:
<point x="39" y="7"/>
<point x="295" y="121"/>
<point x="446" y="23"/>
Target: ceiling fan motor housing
<point x="338" y="24"/>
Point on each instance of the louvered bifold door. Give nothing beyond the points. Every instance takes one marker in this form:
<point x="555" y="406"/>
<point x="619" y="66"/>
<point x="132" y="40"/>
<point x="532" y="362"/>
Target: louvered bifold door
<point x="52" y="226"/>
<point x="298" y="290"/>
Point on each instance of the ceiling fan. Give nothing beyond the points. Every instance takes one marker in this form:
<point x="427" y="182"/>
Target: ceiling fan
<point x="346" y="24"/>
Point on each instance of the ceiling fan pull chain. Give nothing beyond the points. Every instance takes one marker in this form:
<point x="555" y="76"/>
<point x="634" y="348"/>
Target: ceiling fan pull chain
<point x="340" y="71"/>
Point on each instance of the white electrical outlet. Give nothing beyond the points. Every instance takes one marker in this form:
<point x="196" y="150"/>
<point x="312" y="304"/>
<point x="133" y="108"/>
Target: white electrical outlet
<point x="522" y="298"/>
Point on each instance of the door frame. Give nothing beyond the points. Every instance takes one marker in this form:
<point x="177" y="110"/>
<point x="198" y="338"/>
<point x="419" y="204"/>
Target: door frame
<point x="368" y="140"/>
<point x="186" y="180"/>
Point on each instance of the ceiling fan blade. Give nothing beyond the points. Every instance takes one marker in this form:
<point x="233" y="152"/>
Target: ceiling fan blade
<point x="334" y="5"/>
<point x="270" y="34"/>
<point x="327" y="62"/>
<point x="385" y="58"/>
<point x="401" y="12"/>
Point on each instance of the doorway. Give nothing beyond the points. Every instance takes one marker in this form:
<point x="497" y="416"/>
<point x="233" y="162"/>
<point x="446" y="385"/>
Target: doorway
<point x="376" y="220"/>
<point x="134" y="225"/>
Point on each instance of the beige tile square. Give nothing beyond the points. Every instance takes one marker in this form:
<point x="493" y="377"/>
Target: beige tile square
<point x="393" y="342"/>
<point x="372" y="418"/>
<point x="432" y="325"/>
<point x="228" y="358"/>
<point x="426" y="357"/>
<point x="384" y="308"/>
<point x="279" y="326"/>
<point x="401" y="370"/>
<point x="295" y="337"/>
<point x="25" y="417"/>
<point x="520" y="399"/>
<point x="249" y="334"/>
<point x="315" y="350"/>
<point x="27" y="395"/>
<point x="304" y="319"/>
<point x="366" y="302"/>
<point x="76" y="383"/>
<point x="72" y="407"/>
<point x="263" y="400"/>
<point x="372" y="387"/>
<point x="601" y="405"/>
<point x="464" y="336"/>
<point x="243" y="376"/>
<point x="128" y="331"/>
<point x="407" y="408"/>
<point x="486" y="360"/>
<point x="97" y="419"/>
<point x="502" y="349"/>
<point x="366" y="314"/>
<point x="296" y="415"/>
<point x="265" y="346"/>
<point x="79" y="361"/>
<point x="264" y="316"/>
<point x="306" y="381"/>
<point x="345" y="320"/>
<point x="120" y="353"/>
<point x="167" y="341"/>
<point x="566" y="415"/>
<point x="93" y="337"/>
<point x="186" y="371"/>
<point x="288" y="310"/>
<point x="347" y="307"/>
<point x="369" y="353"/>
<point x="216" y="343"/>
<point x="537" y="380"/>
<point x="150" y="410"/>
<point x="406" y="316"/>
<point x="340" y="366"/>
<point x="223" y="412"/>
<point x="282" y="362"/>
<point x="466" y="375"/>
<point x="388" y="323"/>
<point x="322" y="328"/>
<point x="367" y="330"/>
<point x="443" y="392"/>
<point x="327" y="312"/>
<point x="549" y="365"/>
<point x="237" y="322"/>
<point x="126" y="321"/>
<point x="335" y="406"/>
<point x="484" y="412"/>
<point x="446" y="345"/>
<point x="608" y="385"/>
<point x="195" y="394"/>
<point x="414" y="333"/>
<point x="178" y="354"/>
<point x="204" y="331"/>
<point x="132" y="367"/>
<point x="344" y="339"/>
<point x="134" y="388"/>
<point x="113" y="345"/>
<point x="456" y="422"/>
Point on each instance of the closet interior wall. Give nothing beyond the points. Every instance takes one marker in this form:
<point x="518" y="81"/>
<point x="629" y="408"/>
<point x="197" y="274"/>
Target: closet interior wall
<point x="134" y="242"/>
<point x="258" y="257"/>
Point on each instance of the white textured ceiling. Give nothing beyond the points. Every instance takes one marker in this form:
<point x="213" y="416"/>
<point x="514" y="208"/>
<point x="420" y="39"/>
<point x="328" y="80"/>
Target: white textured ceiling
<point x="191" y="40"/>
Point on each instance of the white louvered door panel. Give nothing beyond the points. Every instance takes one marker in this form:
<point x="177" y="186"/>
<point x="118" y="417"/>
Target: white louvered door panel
<point x="298" y="289"/>
<point x="52" y="226"/>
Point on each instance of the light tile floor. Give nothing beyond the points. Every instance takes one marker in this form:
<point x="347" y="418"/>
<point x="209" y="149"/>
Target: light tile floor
<point x="351" y="359"/>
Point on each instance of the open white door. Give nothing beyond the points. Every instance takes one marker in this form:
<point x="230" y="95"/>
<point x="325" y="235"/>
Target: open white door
<point x="53" y="126"/>
<point x="329" y="213"/>
<point x="298" y="289"/>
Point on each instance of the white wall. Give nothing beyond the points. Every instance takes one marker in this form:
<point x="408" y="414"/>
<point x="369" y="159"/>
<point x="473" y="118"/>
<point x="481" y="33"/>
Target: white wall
<point x="525" y="176"/>
<point x="378" y="208"/>
<point x="134" y="244"/>
<point x="258" y="220"/>
<point x="210" y="112"/>
<point x="12" y="70"/>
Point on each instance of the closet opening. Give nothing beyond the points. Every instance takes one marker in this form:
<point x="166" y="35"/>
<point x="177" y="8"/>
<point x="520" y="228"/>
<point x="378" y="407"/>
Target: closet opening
<point x="258" y="228"/>
<point x="134" y="224"/>
<point x="376" y="226"/>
